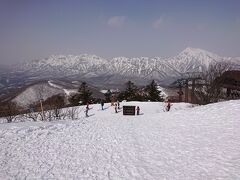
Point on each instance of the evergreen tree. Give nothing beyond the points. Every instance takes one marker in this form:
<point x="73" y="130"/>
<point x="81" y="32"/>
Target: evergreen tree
<point x="153" y="94"/>
<point x="84" y="95"/>
<point x="108" y="95"/>
<point x="131" y="91"/>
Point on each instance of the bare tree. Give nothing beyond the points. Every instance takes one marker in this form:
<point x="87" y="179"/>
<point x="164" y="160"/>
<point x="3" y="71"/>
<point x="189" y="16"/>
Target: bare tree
<point x="57" y="113"/>
<point x="48" y="114"/>
<point x="40" y="97"/>
<point x="72" y="112"/>
<point x="40" y="91"/>
<point x="11" y="111"/>
<point x="53" y="107"/>
<point x="32" y="115"/>
<point x="211" y="90"/>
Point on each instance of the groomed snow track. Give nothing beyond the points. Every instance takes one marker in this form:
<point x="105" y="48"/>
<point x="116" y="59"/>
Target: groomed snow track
<point x="186" y="143"/>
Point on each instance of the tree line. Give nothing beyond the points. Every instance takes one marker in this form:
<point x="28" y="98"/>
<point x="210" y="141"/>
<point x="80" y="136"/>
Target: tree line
<point x="51" y="108"/>
<point x="131" y="93"/>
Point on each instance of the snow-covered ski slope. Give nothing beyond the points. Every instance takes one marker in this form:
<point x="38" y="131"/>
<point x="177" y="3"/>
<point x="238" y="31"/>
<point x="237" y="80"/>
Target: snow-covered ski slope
<point x="200" y="142"/>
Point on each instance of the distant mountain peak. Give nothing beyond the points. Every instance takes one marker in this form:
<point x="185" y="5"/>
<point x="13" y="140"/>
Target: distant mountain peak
<point x="116" y="70"/>
<point x="189" y="51"/>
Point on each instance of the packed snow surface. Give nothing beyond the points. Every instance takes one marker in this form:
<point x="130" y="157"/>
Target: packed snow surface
<point x="188" y="142"/>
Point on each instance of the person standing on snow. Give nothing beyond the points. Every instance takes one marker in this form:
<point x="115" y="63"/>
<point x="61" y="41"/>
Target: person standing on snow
<point x="116" y="111"/>
<point x="118" y="104"/>
<point x="138" y="110"/>
<point x="102" y="104"/>
<point x="168" y="105"/>
<point x="86" y="111"/>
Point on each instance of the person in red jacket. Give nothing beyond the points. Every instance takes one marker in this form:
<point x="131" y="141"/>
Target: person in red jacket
<point x="168" y="105"/>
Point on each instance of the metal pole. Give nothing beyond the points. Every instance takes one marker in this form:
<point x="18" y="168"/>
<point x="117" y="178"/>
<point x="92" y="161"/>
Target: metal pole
<point x="186" y="91"/>
<point x="42" y="109"/>
<point x="192" y="93"/>
<point x="180" y="93"/>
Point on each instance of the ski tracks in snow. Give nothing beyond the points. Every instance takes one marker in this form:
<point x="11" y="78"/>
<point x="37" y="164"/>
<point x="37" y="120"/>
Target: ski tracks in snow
<point x="183" y="144"/>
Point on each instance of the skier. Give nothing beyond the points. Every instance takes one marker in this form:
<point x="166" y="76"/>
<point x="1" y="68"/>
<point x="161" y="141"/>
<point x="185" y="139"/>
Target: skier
<point x="116" y="111"/>
<point x="86" y="111"/>
<point x="102" y="104"/>
<point x="138" y="110"/>
<point x="118" y="104"/>
<point x="87" y="105"/>
<point x="168" y="105"/>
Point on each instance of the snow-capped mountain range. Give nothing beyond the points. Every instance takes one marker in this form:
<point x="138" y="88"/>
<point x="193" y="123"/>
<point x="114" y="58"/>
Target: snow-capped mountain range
<point x="112" y="73"/>
<point x="92" y="66"/>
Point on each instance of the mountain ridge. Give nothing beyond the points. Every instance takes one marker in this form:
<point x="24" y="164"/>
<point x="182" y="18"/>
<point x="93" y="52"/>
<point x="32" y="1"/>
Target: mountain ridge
<point x="114" y="72"/>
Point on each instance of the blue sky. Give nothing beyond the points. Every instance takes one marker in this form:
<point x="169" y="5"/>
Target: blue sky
<point x="32" y="29"/>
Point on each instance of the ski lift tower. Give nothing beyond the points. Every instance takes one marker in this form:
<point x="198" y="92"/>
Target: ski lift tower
<point x="188" y="80"/>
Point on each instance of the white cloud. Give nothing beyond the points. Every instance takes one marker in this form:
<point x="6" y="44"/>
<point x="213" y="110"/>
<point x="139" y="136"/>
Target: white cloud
<point x="116" y="21"/>
<point x="158" y="22"/>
